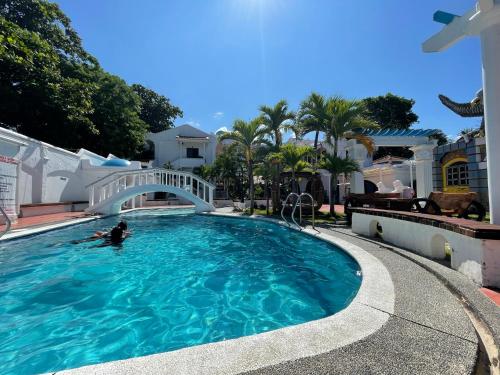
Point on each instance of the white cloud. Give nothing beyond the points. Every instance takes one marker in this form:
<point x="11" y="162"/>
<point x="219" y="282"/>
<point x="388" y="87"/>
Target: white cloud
<point x="218" y="115"/>
<point x="196" y="124"/>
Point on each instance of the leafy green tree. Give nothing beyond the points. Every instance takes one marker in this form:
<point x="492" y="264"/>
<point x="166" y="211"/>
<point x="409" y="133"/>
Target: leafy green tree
<point x="230" y="169"/>
<point x="53" y="90"/>
<point x="276" y="120"/>
<point x="440" y="137"/>
<point x="48" y="22"/>
<point x="43" y="94"/>
<point x="207" y="172"/>
<point x="336" y="165"/>
<point x="116" y="115"/>
<point x="312" y="116"/>
<point x="250" y="135"/>
<point x="344" y="118"/>
<point x="391" y="111"/>
<point x="156" y="110"/>
<point x="294" y="158"/>
<point x="267" y="171"/>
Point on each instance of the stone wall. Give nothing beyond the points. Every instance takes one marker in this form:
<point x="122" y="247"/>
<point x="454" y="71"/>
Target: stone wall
<point x="475" y="153"/>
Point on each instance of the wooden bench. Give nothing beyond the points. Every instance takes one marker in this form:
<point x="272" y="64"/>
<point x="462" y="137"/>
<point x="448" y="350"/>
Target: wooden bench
<point x="461" y="204"/>
<point x="376" y="200"/>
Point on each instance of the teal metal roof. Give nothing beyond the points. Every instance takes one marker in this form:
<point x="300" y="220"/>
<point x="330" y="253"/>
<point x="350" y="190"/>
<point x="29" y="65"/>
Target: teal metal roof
<point x="399" y="132"/>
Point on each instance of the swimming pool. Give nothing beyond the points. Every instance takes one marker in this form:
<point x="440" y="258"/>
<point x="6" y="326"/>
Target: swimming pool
<point x="180" y="280"/>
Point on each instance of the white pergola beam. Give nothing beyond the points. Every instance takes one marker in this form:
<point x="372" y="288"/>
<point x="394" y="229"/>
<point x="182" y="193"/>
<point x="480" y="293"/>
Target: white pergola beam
<point x="483" y="20"/>
<point x="451" y="33"/>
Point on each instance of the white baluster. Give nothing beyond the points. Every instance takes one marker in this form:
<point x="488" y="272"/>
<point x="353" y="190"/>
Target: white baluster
<point x="91" y="196"/>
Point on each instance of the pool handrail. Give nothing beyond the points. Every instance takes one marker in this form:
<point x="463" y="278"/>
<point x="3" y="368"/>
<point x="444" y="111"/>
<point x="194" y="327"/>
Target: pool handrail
<point x="8" y="222"/>
<point x="299" y="203"/>
<point x="283" y="209"/>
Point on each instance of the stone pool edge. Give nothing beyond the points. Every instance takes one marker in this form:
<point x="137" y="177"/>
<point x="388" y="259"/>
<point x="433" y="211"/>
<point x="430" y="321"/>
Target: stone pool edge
<point x="365" y="315"/>
<point x="31" y="231"/>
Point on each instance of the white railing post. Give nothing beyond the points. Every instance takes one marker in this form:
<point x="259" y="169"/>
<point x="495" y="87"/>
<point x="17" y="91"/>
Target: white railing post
<point x="91" y="196"/>
<point x="110" y="186"/>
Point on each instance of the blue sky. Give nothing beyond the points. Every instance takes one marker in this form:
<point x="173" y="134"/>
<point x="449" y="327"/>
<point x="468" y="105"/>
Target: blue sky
<point x="220" y="59"/>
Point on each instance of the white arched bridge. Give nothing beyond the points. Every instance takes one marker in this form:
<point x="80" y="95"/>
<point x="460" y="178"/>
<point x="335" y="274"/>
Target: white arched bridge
<point x="107" y="195"/>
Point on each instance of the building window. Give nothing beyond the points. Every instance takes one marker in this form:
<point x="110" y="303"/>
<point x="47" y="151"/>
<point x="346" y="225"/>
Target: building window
<point x="457" y="174"/>
<point x="192" y="152"/>
<point x="482" y="150"/>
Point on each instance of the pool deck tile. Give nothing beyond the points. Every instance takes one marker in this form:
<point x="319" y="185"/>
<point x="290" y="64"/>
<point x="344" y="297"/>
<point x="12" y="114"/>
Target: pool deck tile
<point x="34" y="221"/>
<point x="492" y="295"/>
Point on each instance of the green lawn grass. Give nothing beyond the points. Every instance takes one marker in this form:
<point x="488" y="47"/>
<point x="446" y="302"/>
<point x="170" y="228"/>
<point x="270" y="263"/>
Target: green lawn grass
<point x="319" y="217"/>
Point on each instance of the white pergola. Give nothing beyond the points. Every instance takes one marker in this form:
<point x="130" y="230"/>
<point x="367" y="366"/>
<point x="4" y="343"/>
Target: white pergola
<point x="484" y="21"/>
<point x="417" y="139"/>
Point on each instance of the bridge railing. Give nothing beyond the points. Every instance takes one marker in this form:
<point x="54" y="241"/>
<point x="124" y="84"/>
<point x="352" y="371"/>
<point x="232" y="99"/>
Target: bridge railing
<point x="116" y="182"/>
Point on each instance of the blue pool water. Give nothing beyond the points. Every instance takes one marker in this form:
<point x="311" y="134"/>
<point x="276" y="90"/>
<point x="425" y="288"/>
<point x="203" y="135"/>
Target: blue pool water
<point x="178" y="281"/>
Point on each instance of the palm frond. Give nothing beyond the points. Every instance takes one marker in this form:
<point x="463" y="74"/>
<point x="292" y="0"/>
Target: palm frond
<point x="338" y="165"/>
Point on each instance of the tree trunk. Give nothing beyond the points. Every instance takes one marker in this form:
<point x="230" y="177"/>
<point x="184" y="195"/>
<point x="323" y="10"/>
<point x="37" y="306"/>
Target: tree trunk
<point x="294" y="183"/>
<point x="316" y="140"/>
<point x="275" y="194"/>
<point x="333" y="187"/>
<point x="267" y="197"/>
<point x="333" y="182"/>
<point x="250" y="185"/>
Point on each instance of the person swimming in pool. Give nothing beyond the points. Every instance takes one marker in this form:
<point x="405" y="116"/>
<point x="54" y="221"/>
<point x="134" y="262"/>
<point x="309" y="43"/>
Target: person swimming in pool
<point x="104" y="234"/>
<point x="116" y="236"/>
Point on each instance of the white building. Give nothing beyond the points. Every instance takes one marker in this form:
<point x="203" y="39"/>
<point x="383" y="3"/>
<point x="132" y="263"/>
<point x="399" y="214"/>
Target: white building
<point x="418" y="169"/>
<point x="183" y="148"/>
<point x="34" y="173"/>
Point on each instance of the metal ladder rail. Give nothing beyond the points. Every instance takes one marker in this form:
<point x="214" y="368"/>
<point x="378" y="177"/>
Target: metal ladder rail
<point x="299" y="203"/>
<point x="8" y="223"/>
<point x="283" y="209"/>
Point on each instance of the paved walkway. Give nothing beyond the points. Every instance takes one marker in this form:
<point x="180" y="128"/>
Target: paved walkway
<point x="429" y="332"/>
<point x="339" y="208"/>
<point x="34" y="221"/>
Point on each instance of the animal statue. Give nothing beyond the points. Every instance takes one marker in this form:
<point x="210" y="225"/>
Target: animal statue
<point x="405" y="191"/>
<point x="475" y="108"/>
<point x="382" y="188"/>
<point x="398" y="186"/>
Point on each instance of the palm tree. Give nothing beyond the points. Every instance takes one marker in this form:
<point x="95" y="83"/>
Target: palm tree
<point x="344" y="119"/>
<point x="312" y="115"/>
<point x="336" y="165"/>
<point x="267" y="171"/>
<point x="249" y="135"/>
<point x="206" y="172"/>
<point x="293" y="157"/>
<point x="276" y="120"/>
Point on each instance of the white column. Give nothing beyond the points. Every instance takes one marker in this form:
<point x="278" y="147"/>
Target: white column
<point x="490" y="42"/>
<point x="423" y="160"/>
<point x="358" y="153"/>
